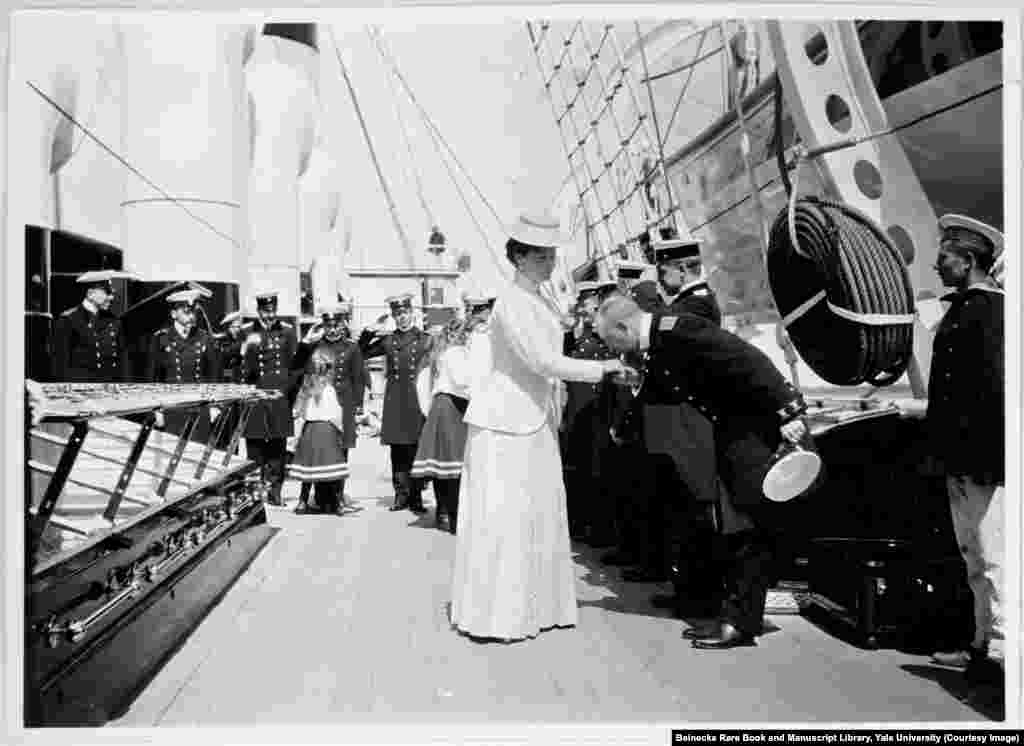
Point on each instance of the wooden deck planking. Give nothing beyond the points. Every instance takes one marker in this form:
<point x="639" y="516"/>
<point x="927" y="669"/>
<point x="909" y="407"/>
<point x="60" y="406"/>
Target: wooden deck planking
<point x="343" y="620"/>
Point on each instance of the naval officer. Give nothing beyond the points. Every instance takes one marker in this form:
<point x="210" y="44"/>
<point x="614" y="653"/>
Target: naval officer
<point x="966" y="420"/>
<point x="229" y="344"/>
<point x="181" y="352"/>
<point x="585" y="427"/>
<point x="752" y="408"/>
<point x="405" y="351"/>
<point x="267" y="354"/>
<point x="681" y="286"/>
<point x="88" y="340"/>
<point x="680" y="441"/>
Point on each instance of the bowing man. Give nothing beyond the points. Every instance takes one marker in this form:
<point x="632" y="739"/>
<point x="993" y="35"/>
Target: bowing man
<point x="753" y="409"/>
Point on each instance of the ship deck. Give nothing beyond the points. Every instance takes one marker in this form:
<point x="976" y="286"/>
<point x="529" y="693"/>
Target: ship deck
<point x="341" y="620"/>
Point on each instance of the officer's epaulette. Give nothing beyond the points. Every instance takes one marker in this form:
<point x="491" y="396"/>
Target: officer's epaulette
<point x="220" y="335"/>
<point x="162" y="330"/>
<point x="667" y="323"/>
<point x="286" y="325"/>
<point x="69" y="311"/>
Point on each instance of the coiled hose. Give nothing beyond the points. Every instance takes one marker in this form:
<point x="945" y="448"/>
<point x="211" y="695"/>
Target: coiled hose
<point x="843" y="291"/>
<point x="846" y="262"/>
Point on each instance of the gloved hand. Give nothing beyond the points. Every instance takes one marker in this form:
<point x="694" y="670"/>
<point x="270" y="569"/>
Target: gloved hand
<point x="314" y="335"/>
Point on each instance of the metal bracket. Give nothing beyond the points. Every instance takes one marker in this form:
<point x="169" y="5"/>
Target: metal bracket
<point x="216" y="432"/>
<point x="129" y="468"/>
<point x="243" y="419"/>
<point x="56" y="486"/>
<point x="179" y="451"/>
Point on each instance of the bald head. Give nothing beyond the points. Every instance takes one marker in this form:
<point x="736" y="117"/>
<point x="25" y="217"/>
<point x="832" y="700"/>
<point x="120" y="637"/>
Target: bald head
<point x="620" y="323"/>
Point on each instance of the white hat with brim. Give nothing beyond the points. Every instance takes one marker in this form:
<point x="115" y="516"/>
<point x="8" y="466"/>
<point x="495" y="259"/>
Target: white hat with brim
<point x="341" y="308"/>
<point x="976" y="226"/>
<point x="541" y="229"/>
<point x="188" y="297"/>
<point x="98" y="277"/>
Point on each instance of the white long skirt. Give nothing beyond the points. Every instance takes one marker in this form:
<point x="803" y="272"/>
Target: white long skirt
<point x="514" y="572"/>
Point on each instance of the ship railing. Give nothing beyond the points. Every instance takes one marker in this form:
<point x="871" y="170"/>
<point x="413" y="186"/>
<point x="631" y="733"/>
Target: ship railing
<point x="96" y="461"/>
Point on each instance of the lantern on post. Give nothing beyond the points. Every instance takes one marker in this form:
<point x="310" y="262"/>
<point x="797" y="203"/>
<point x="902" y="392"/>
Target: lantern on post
<point x="436" y="243"/>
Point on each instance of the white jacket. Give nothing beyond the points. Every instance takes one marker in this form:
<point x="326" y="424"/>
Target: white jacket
<point x="454" y="374"/>
<point x="519" y="394"/>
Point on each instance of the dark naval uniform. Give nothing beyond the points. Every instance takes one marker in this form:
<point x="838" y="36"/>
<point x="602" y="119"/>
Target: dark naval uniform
<point x="966" y="386"/>
<point x="267" y="364"/>
<point x="229" y="350"/>
<point x="176" y="359"/>
<point x="747" y="400"/>
<point x="402" y="419"/>
<point x="680" y="439"/>
<point x="587" y="441"/>
<point x="675" y="537"/>
<point x="88" y="347"/>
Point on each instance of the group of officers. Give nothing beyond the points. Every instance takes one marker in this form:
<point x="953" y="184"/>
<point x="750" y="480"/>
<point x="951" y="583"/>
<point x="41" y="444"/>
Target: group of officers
<point x="90" y="346"/>
<point x="666" y="471"/>
<point x="672" y="474"/>
<point x="640" y="465"/>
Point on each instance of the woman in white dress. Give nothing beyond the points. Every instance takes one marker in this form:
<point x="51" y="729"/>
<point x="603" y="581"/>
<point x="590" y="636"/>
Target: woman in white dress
<point x="513" y="574"/>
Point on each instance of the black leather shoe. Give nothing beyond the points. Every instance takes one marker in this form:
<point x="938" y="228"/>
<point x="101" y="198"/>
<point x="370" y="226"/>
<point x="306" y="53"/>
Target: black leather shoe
<point x="643" y="575"/>
<point x="702" y="631"/>
<point x="396" y="507"/>
<point x="417" y="509"/>
<point x="728" y="637"/>
<point x="301" y="509"/>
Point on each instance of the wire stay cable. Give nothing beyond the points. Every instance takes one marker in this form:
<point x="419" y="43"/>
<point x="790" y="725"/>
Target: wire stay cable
<point x="124" y="162"/>
<point x="396" y="103"/>
<point x="373" y="153"/>
<point x="434" y="128"/>
<point x="436" y="142"/>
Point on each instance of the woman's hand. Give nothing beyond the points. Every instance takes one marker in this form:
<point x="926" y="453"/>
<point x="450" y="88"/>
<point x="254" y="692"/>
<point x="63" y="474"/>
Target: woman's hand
<point x="794" y="431"/>
<point x="614" y="368"/>
<point x="252" y="340"/>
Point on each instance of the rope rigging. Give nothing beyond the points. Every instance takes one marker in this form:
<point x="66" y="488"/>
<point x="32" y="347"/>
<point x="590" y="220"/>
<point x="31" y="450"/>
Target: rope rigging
<point x="433" y="127"/>
<point x="392" y="207"/>
<point x="120" y="159"/>
<point x="431" y="220"/>
<point x="438" y="141"/>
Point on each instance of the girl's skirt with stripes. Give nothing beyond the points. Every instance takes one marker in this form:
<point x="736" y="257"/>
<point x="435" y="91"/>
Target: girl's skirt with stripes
<point x="443" y="440"/>
<point x="319" y="454"/>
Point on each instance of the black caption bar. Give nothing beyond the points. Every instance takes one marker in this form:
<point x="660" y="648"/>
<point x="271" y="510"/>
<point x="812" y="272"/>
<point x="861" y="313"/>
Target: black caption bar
<point x="855" y="737"/>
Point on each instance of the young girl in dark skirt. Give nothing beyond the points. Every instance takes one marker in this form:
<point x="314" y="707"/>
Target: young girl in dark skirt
<point x="320" y="456"/>
<point x="443" y="440"/>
